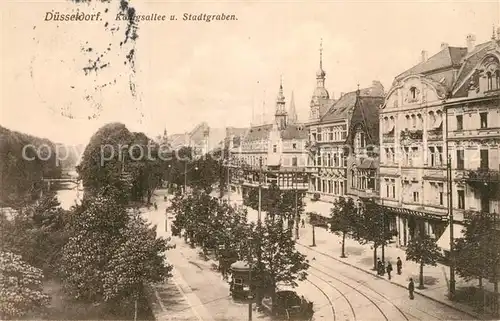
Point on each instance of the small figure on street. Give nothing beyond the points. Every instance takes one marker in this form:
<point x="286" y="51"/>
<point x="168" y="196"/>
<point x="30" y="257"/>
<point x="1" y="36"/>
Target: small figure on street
<point x="411" y="288"/>
<point x="156" y="206"/>
<point x="380" y="267"/>
<point x="303" y="223"/>
<point x="165" y="198"/>
<point x="389" y="270"/>
<point x="399" y="265"/>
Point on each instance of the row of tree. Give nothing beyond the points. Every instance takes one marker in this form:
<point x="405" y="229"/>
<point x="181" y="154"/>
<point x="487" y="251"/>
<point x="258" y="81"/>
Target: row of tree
<point x="24" y="160"/>
<point x="213" y="224"/>
<point x="102" y="251"/>
<point x="476" y="253"/>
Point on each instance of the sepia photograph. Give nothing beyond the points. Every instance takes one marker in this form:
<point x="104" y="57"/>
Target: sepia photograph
<point x="250" y="160"/>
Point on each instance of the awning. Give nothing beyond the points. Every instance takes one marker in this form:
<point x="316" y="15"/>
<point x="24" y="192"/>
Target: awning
<point x="444" y="240"/>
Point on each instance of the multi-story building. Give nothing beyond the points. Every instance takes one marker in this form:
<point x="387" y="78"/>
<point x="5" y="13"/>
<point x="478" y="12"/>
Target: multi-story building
<point x="278" y="149"/>
<point x="363" y="143"/>
<point x="413" y="162"/>
<point x="330" y="140"/>
<point x="472" y="124"/>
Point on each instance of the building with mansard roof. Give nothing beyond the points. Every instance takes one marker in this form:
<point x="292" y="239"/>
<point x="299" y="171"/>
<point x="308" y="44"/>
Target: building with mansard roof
<point x="415" y="139"/>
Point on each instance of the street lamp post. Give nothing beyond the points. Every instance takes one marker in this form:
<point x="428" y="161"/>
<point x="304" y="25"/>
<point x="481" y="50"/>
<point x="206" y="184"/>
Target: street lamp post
<point x="250" y="296"/>
<point x="297" y="218"/>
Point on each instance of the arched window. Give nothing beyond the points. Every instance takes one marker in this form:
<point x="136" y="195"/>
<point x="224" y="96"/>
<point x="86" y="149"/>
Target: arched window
<point x="413" y="121"/>
<point x="432" y="118"/>
<point x="490" y="80"/>
<point x="420" y="123"/>
<point x="413" y="92"/>
<point x="408" y="124"/>
<point x="497" y="79"/>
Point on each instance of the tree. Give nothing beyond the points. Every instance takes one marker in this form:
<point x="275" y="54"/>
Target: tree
<point x="280" y="261"/>
<point x="423" y="249"/>
<point x="343" y="219"/>
<point x="20" y="287"/>
<point x="110" y="253"/>
<point x="476" y="253"/>
<point x="137" y="260"/>
<point x="372" y="227"/>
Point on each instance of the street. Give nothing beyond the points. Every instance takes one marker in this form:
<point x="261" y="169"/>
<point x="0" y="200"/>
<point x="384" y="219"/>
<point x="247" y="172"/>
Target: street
<point x="339" y="292"/>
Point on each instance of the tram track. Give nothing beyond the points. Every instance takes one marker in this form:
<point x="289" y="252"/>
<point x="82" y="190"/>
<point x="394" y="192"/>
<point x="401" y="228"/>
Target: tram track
<point x="354" y="288"/>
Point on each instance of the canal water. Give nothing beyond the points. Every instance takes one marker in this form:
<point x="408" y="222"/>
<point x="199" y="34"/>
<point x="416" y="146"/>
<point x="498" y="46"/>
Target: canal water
<point x="69" y="194"/>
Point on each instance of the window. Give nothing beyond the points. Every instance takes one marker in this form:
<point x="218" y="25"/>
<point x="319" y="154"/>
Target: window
<point x="275" y="148"/>
<point x="329" y="187"/>
<point x="344" y="158"/>
<point x="415" y="196"/>
<point x="497" y="79"/>
<point x="461" y="199"/>
<point x="432" y="157"/>
<point x="362" y="140"/>
<point x="319" y="135"/>
<point x="393" y="190"/>
<point x="484" y="119"/>
<point x="441" y="194"/>
<point x="413" y="92"/>
<point x="393" y="155"/>
<point x="353" y="179"/>
<point x="344" y="135"/>
<point x="413" y="121"/>
<point x="490" y="80"/>
<point x="341" y="187"/>
<point x="238" y="281"/>
<point x="294" y="146"/>
<point x="460" y="122"/>
<point x="484" y="159"/>
<point x="439" y="156"/>
<point x="387" y="188"/>
<point x="336" y="185"/>
<point x="330" y="134"/>
<point x="294" y="161"/>
<point x="335" y="160"/>
<point x="460" y="159"/>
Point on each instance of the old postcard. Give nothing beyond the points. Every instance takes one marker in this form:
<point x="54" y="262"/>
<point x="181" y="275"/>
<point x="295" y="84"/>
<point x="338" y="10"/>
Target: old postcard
<point x="250" y="160"/>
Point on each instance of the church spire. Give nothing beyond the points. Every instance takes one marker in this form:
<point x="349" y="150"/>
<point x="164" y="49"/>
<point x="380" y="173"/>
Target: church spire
<point x="321" y="54"/>
<point x="280" y="115"/>
<point x="292" y="113"/>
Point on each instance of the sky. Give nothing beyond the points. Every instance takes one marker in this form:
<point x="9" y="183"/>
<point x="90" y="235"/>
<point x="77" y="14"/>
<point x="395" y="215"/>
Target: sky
<point x="226" y="73"/>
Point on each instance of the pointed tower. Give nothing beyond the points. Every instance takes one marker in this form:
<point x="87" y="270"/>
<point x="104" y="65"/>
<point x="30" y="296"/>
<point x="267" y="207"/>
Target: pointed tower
<point x="292" y="112"/>
<point x="280" y="116"/>
<point x="320" y="94"/>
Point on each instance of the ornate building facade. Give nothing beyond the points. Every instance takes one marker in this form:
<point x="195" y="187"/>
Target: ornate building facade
<point x="472" y="125"/>
<point x="277" y="149"/>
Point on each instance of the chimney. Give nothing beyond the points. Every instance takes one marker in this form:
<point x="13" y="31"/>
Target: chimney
<point x="444" y="45"/>
<point x="424" y="55"/>
<point x="471" y="42"/>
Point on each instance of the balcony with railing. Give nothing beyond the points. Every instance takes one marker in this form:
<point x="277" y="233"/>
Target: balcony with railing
<point x="412" y="134"/>
<point x="435" y="134"/>
<point x="388" y="137"/>
<point x="483" y="175"/>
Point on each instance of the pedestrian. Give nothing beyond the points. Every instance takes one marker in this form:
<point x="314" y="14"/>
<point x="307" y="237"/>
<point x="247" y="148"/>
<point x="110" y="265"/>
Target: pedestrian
<point x="156" y="206"/>
<point x="380" y="267"/>
<point x="303" y="223"/>
<point x="411" y="288"/>
<point x="399" y="265"/>
<point x="165" y="198"/>
<point x="389" y="269"/>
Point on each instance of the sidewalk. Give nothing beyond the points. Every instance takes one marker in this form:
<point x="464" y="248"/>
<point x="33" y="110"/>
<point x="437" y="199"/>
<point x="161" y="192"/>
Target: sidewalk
<point x="361" y="257"/>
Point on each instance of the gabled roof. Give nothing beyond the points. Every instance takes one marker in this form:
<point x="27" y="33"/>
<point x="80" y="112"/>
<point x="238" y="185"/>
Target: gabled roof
<point x="470" y="62"/>
<point x="294" y="131"/>
<point x="341" y="108"/>
<point x="447" y="57"/>
<point x="258" y="133"/>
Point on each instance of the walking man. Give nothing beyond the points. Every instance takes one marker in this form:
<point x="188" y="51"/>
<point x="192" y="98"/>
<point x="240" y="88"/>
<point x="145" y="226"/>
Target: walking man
<point x="380" y="267"/>
<point x="399" y="265"/>
<point x="303" y="223"/>
<point x="411" y="288"/>
<point x="389" y="269"/>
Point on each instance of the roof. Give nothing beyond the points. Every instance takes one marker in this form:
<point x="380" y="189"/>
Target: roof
<point x="258" y="132"/>
<point x="369" y="163"/>
<point x="471" y="61"/>
<point x="294" y="131"/>
<point x="341" y="108"/>
<point x="447" y="57"/>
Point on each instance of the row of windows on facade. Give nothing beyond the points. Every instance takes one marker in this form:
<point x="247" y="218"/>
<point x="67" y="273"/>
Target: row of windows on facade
<point x="412" y="156"/>
<point x="483" y="121"/>
<point x="329" y="186"/>
<point x="264" y="145"/>
<point x="363" y="180"/>
<point x="437" y="190"/>
<point x="329" y="135"/>
<point x="330" y="160"/>
<point x="493" y="80"/>
<point x="413" y="121"/>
